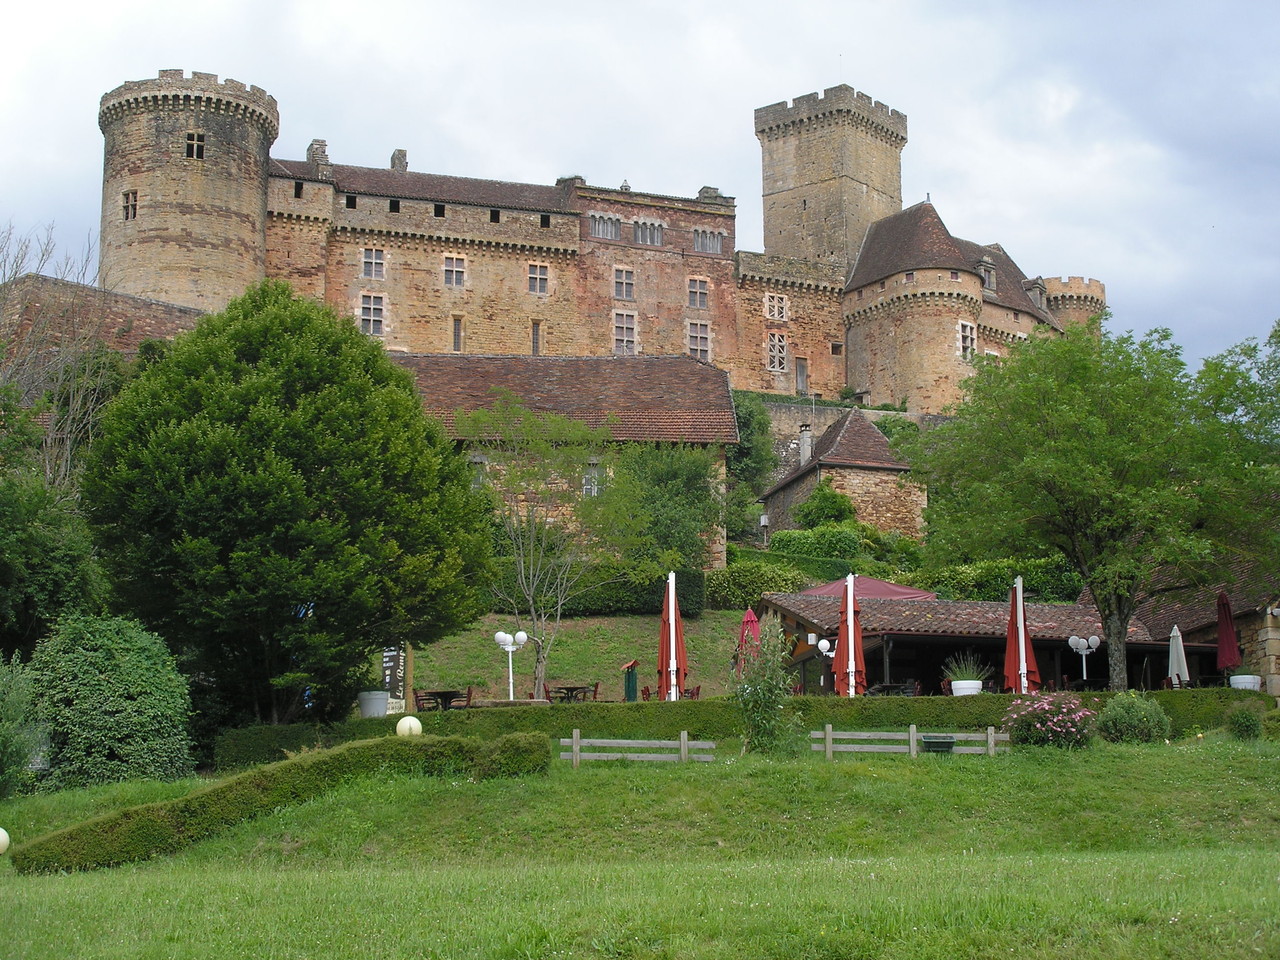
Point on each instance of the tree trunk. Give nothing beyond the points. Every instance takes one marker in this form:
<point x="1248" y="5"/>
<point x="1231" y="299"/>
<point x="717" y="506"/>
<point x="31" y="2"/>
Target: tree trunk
<point x="1116" y="631"/>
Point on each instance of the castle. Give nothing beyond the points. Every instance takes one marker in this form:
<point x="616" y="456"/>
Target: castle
<point x="852" y="292"/>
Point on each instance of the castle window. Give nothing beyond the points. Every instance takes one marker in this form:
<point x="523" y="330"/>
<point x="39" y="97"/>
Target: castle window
<point x="699" y="340"/>
<point x="909" y="277"/>
<point x="297" y="189"/>
<point x="455" y="271"/>
<point x="802" y="376"/>
<point x="495" y="216"/>
<point x="195" y="146"/>
<point x="649" y="234"/>
<point x="606" y="228"/>
<point x="544" y="221"/>
<point x="775" y="307"/>
<point x="457" y="334"/>
<point x="438" y="210"/>
<point x="858" y="294"/>
<point x="624" y="333"/>
<point x="837" y="348"/>
<point x="968" y="340"/>
<point x="776" y="355"/>
<point x="698" y="294"/>
<point x="537" y="278"/>
<point x="624" y="287"/>
<point x="706" y="241"/>
<point x="955" y="274"/>
<point x="988" y="278"/>
<point x="130" y="200"/>
<point x="371" y="314"/>
<point x="393" y="205"/>
<point x="374" y="267"/>
<point x="535" y="346"/>
<point x="351" y="201"/>
<point x="591" y="478"/>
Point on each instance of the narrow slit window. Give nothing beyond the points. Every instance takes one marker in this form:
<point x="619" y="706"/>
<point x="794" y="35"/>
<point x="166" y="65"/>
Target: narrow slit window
<point x="297" y="189"/>
<point x="130" y="200"/>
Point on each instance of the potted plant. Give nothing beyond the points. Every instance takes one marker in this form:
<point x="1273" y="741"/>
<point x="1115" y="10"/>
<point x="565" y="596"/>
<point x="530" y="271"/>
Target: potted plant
<point x="1242" y="678"/>
<point x="966" y="673"/>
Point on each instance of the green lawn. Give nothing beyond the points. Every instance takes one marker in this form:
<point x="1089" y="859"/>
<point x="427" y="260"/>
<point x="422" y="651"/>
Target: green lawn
<point x="587" y="649"/>
<point x="1115" y="852"/>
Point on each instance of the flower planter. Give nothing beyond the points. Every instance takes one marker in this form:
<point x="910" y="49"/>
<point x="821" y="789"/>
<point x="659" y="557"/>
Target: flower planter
<point x="373" y="703"/>
<point x="937" y="742"/>
<point x="965" y="688"/>
<point x="1245" y="681"/>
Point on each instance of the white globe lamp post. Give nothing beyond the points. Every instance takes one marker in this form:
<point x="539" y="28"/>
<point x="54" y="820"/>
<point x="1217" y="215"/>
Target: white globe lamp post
<point x="1084" y="647"/>
<point x="510" y="644"/>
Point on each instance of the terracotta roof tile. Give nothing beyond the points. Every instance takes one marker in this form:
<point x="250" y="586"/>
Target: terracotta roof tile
<point x="1254" y="588"/>
<point x="650" y="398"/>
<point x="951" y="618"/>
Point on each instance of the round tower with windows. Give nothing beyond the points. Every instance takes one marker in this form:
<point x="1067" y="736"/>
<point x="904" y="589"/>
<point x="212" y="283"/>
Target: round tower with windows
<point x="184" y="188"/>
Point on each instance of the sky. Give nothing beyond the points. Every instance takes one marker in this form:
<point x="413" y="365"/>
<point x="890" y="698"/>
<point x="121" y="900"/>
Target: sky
<point x="1138" y="144"/>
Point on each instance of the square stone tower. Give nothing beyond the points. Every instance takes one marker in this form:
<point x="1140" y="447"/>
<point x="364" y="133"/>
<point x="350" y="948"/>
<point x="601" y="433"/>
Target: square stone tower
<point x="832" y="167"/>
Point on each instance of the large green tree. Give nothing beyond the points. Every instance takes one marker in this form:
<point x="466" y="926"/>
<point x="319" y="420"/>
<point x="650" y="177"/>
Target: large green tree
<point x="271" y="499"/>
<point x="1105" y="449"/>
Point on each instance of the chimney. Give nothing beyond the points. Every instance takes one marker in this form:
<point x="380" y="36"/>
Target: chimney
<point x="806" y="443"/>
<point x="318" y="158"/>
<point x="400" y="161"/>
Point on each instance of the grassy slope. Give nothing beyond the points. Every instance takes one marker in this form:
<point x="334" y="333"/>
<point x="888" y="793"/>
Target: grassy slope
<point x="587" y="649"/>
<point x="1110" y="852"/>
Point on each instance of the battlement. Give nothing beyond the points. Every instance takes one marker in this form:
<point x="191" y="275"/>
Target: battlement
<point x="1075" y="287"/>
<point x="835" y="101"/>
<point x="201" y="90"/>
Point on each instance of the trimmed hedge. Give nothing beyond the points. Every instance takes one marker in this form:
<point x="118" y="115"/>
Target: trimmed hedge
<point x="614" y="597"/>
<point x="155" y="829"/>
<point x="742" y="584"/>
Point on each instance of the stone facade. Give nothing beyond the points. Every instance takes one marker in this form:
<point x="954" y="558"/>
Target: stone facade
<point x="194" y="209"/>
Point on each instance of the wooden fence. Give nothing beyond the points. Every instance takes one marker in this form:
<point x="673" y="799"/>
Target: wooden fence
<point x="670" y="750"/>
<point x="912" y="742"/>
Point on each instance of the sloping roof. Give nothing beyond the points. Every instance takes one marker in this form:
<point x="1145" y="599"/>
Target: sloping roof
<point x="648" y="398"/>
<point x="1010" y="290"/>
<point x="1255" y="586"/>
<point x="915" y="239"/>
<point x="865" y="587"/>
<point x="951" y="618"/>
<point x="411" y="185"/>
<point x="852" y="441"/>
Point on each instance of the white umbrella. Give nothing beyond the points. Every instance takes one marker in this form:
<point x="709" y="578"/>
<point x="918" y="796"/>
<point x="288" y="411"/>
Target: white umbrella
<point x="1178" y="671"/>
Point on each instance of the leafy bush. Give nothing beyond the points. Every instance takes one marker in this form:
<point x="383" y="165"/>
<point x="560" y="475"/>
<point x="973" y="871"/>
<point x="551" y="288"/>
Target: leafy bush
<point x="1049" y="719"/>
<point x="161" y="828"/>
<point x="824" y="505"/>
<point x="17" y="724"/>
<point x="762" y="692"/>
<point x="1271" y="725"/>
<point x="869" y="550"/>
<point x="741" y="585"/>
<point x="816" y="569"/>
<point x="1244" y="720"/>
<point x="112" y="703"/>
<point x="1131" y="718"/>
<point x="1050" y="579"/>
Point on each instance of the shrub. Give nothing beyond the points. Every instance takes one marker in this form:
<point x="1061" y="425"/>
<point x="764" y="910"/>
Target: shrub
<point x="824" y="505"/>
<point x="1244" y="720"/>
<point x="18" y="736"/>
<point x="1049" y="719"/>
<point x="161" y="828"/>
<point x="741" y="585"/>
<point x="1271" y="725"/>
<point x="1051" y="579"/>
<point x="1131" y="718"/>
<point x="112" y="703"/>
<point x="762" y="693"/>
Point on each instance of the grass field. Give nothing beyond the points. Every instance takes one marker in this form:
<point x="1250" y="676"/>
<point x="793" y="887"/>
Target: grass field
<point x="1116" y="852"/>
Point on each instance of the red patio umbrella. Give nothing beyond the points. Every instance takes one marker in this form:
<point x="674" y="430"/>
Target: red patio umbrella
<point x="748" y="638"/>
<point x="1019" y="657"/>
<point x="672" y="662"/>
<point x="1228" y="640"/>
<point x="849" y="646"/>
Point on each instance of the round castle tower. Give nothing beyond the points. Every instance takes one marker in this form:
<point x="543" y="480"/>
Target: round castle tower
<point x="184" y="188"/>
<point x="1074" y="299"/>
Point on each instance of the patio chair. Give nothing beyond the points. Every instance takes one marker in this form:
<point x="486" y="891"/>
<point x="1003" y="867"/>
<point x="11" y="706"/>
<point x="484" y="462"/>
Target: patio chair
<point x="546" y="692"/>
<point x="421" y="702"/>
<point x="467" y="702"/>
<point x="644" y="693"/>
<point x="691" y="693"/>
<point x="595" y="691"/>
<point x="946" y="687"/>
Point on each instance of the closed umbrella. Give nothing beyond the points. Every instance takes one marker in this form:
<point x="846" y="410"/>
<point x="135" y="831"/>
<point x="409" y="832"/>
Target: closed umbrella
<point x="1228" y="640"/>
<point x="748" y="638"/>
<point x="1021" y="675"/>
<point x="1178" y="671"/>
<point x="850" y="667"/>
<point x="672" y="662"/>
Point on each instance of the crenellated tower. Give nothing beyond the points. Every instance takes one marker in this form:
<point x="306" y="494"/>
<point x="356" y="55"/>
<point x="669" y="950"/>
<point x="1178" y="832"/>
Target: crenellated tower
<point x="184" y="187"/>
<point x="1075" y="299"/>
<point x="832" y="166"/>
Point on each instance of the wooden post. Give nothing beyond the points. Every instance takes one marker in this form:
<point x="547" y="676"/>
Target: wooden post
<point x="577" y="747"/>
<point x="828" y="742"/>
<point x="684" y="746"/>
<point x="991" y="741"/>
<point x="911" y="735"/>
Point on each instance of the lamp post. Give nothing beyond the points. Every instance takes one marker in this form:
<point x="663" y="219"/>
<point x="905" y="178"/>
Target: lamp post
<point x="827" y="649"/>
<point x="1084" y="647"/>
<point x="510" y="644"/>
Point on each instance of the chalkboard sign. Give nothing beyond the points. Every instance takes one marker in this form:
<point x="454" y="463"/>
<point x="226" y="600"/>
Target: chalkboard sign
<point x="393" y="671"/>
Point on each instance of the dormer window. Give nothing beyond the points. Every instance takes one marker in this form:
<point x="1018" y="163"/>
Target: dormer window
<point x="988" y="276"/>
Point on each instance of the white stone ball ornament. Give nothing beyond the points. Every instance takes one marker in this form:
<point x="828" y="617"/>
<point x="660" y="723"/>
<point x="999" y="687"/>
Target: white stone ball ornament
<point x="409" y="727"/>
<point x="4" y="840"/>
